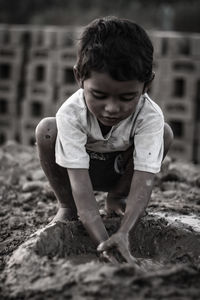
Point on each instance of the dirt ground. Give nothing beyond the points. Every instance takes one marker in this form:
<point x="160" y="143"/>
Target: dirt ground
<point x="38" y="261"/>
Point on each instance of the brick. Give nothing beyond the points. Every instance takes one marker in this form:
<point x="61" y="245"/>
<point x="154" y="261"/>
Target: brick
<point x="7" y="132"/>
<point x="196" y="143"/>
<point x="8" y="90"/>
<point x="178" y="88"/>
<point x="68" y="36"/>
<point x="178" y="109"/>
<point x="67" y="55"/>
<point x="43" y="37"/>
<point x="66" y="59"/>
<point x="9" y="128"/>
<point x="40" y="91"/>
<point x="176" y="85"/>
<point x="41" y="71"/>
<point x="41" y="54"/>
<point x="27" y="128"/>
<point x="8" y="118"/>
<point x="195" y="45"/>
<point x="177" y="65"/>
<point x="11" y="53"/>
<point x="64" y="92"/>
<point x="8" y="107"/>
<point x="10" y="64"/>
<point x="36" y="109"/>
<point x="4" y="34"/>
<point x="182" y="128"/>
<point x="17" y="34"/>
<point x="157" y="41"/>
<point x="170" y="44"/>
<point x="179" y="45"/>
<point x="13" y="35"/>
<point x="181" y="150"/>
<point x="65" y="76"/>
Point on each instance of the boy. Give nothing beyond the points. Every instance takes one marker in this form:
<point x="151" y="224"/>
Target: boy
<point x="109" y="135"/>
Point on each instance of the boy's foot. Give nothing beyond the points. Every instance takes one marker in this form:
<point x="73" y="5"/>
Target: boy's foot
<point x="115" y="206"/>
<point x="65" y="214"/>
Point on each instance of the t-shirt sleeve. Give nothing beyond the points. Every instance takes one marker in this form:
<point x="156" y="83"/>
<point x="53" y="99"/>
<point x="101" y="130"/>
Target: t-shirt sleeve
<point x="148" y="145"/>
<point x="71" y="139"/>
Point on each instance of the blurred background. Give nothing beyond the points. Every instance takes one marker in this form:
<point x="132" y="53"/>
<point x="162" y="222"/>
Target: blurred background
<point x="38" y="41"/>
<point x="178" y="15"/>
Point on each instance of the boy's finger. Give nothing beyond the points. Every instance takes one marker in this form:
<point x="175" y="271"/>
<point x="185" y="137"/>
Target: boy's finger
<point x="119" y="212"/>
<point x="127" y="255"/>
<point x="102" y="212"/>
<point x="132" y="260"/>
<point x="110" y="258"/>
<point x="101" y="247"/>
<point x="105" y="245"/>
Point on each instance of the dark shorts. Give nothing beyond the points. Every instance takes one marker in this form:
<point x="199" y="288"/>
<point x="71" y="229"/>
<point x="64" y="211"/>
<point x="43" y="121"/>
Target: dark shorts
<point x="105" y="169"/>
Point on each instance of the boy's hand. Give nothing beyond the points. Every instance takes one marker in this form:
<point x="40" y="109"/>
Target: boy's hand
<point x="119" y="242"/>
<point x="109" y="257"/>
<point x="115" y="205"/>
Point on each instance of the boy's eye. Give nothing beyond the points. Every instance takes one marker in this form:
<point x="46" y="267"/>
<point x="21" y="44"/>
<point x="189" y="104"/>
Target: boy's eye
<point x="127" y="98"/>
<point x="123" y="97"/>
<point x="98" y="95"/>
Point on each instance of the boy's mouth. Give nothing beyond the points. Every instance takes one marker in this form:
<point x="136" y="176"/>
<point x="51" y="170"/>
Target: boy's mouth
<point x="110" y="120"/>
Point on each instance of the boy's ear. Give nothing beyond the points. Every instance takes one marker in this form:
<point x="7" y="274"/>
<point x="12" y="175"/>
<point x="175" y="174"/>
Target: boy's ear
<point x="77" y="77"/>
<point x="148" y="83"/>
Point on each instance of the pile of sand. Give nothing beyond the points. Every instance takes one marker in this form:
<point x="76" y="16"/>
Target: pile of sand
<point x="39" y="261"/>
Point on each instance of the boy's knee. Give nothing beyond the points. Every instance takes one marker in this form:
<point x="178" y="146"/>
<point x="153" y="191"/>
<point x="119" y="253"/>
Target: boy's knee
<point x="168" y="134"/>
<point x="46" y="131"/>
<point x="168" y="138"/>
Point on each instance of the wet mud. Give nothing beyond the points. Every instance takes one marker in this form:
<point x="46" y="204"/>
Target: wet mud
<point x="59" y="261"/>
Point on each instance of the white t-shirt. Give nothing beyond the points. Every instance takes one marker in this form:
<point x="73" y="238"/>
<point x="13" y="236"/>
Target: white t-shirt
<point x="78" y="130"/>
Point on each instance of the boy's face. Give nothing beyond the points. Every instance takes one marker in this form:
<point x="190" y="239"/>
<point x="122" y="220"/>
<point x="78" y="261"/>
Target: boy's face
<point x="110" y="100"/>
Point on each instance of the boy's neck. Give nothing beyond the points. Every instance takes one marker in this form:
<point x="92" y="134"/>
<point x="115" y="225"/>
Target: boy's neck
<point x="104" y="129"/>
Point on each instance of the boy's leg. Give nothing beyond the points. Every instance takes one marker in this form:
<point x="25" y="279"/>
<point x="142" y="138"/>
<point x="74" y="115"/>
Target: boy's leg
<point x="46" y="133"/>
<point x="115" y="201"/>
<point x="116" y="198"/>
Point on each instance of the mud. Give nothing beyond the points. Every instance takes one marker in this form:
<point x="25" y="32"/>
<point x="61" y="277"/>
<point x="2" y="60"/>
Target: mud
<point x="59" y="261"/>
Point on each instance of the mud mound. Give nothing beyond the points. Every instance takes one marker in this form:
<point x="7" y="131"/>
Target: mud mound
<point x="60" y="260"/>
<point x="38" y="261"/>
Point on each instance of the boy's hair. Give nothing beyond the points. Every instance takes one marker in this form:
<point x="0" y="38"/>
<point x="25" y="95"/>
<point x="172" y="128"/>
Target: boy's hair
<point x="116" y="46"/>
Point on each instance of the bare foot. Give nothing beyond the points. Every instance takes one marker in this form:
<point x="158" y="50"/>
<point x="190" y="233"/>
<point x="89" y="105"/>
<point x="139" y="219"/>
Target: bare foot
<point x="115" y="206"/>
<point x="65" y="214"/>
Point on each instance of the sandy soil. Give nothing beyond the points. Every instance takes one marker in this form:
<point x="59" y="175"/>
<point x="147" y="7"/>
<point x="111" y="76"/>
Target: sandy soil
<point x="38" y="261"/>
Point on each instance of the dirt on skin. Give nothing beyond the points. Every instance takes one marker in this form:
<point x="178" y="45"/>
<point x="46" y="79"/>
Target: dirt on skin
<point x="59" y="261"/>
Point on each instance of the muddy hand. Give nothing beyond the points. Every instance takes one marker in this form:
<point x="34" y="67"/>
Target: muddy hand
<point x="120" y="242"/>
<point x="109" y="257"/>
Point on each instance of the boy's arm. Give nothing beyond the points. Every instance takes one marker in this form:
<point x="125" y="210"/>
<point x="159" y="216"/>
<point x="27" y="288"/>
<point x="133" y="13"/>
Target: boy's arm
<point x="86" y="204"/>
<point x="137" y="201"/>
<point x="139" y="195"/>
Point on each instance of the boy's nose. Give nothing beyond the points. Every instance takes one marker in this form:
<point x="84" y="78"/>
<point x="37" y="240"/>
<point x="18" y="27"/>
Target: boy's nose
<point x="112" y="107"/>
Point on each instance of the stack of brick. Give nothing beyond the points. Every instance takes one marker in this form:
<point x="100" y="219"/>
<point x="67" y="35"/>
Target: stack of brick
<point x="39" y="79"/>
<point x="176" y="88"/>
<point x="66" y="85"/>
<point x="11" y="55"/>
